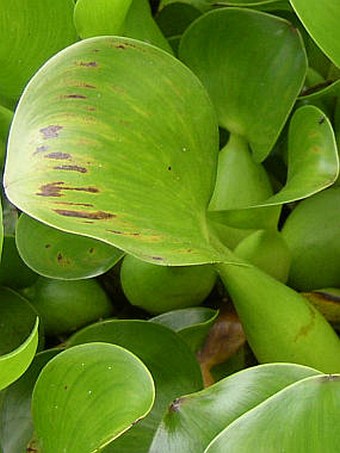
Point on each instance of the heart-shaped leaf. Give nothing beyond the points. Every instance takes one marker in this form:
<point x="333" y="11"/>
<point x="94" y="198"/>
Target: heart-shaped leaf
<point x="173" y="367"/>
<point x="247" y="60"/>
<point x="140" y="177"/>
<point x="302" y="417"/>
<point x="100" y="387"/>
<point x="15" y="363"/>
<point x="192" y="421"/>
<point x="321" y="20"/>
<point x="56" y="254"/>
<point x="16" y="425"/>
<point x="27" y="40"/>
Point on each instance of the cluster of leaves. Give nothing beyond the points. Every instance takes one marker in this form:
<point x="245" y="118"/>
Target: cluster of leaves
<point x="173" y="149"/>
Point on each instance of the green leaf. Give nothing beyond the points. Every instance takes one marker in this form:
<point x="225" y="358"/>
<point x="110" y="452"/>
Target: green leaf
<point x="141" y="176"/>
<point x="173" y="366"/>
<point x="17" y="320"/>
<point x="313" y="162"/>
<point x="247" y="60"/>
<point x="321" y="20"/>
<point x="16" y="425"/>
<point x="15" y="363"/>
<point x="31" y="31"/>
<point x="313" y="165"/>
<point x="302" y="417"/>
<point x="56" y="254"/>
<point x="192" y="324"/>
<point x="139" y="24"/>
<point x="279" y="323"/>
<point x="89" y="395"/>
<point x="102" y="17"/>
<point x="6" y="116"/>
<point x="192" y="421"/>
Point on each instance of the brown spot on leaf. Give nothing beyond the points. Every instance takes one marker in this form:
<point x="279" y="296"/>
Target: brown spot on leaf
<point x="88" y="64"/>
<point x="51" y="131"/>
<point x="74" y="96"/>
<point x="124" y="233"/>
<point x="51" y="190"/>
<point x="304" y="330"/>
<point x="54" y="189"/>
<point x="97" y="215"/>
<point x="71" y="168"/>
<point x="41" y="149"/>
<point x="58" y="155"/>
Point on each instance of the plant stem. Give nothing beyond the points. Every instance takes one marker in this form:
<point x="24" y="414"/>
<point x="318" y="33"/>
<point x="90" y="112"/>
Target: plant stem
<point x="280" y="324"/>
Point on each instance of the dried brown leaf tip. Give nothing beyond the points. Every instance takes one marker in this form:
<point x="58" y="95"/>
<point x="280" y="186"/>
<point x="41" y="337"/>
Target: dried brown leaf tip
<point x="225" y="338"/>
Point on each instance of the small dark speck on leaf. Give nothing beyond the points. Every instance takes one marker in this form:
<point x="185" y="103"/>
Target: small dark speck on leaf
<point x="65" y="387"/>
<point x="47" y="246"/>
<point x="51" y="131"/>
<point x="157" y="258"/>
<point x="322" y="119"/>
<point x="91" y="250"/>
<point x="59" y="257"/>
<point x="169" y="168"/>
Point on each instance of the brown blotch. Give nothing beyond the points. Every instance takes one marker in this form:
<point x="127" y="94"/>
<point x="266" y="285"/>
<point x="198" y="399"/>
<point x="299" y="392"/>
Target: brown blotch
<point x="59" y="257"/>
<point x="97" y="215"/>
<point x="157" y="258"/>
<point x="88" y="64"/>
<point x="71" y="168"/>
<point x="124" y="233"/>
<point x="304" y="330"/>
<point x="41" y="149"/>
<point x="51" y="131"/>
<point x="58" y="155"/>
<point x="54" y="189"/>
<point x="51" y="190"/>
<point x="74" y="96"/>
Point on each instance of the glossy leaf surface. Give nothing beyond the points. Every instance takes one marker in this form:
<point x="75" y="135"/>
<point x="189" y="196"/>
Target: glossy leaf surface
<point x="17" y="319"/>
<point x="306" y="419"/>
<point x="56" y="254"/>
<point x="171" y="363"/>
<point x="110" y="385"/>
<point x="31" y="31"/>
<point x="192" y="324"/>
<point x="192" y="421"/>
<point x="139" y="175"/>
<point x="16" y="425"/>
<point x="321" y="20"/>
<point x="313" y="165"/>
<point x="103" y="17"/>
<point x="15" y="363"/>
<point x="247" y="60"/>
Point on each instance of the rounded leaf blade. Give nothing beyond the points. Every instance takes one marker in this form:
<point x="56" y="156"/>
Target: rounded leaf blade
<point x="56" y="254"/>
<point x="15" y="363"/>
<point x="99" y="387"/>
<point x="247" y="60"/>
<point x="105" y="152"/>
